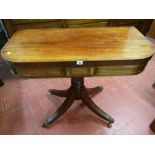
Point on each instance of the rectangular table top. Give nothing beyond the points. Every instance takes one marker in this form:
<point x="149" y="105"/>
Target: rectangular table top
<point x="72" y="44"/>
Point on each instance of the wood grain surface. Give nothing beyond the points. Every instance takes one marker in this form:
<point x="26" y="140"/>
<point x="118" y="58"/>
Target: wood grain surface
<point x="87" y="44"/>
<point x="54" y="52"/>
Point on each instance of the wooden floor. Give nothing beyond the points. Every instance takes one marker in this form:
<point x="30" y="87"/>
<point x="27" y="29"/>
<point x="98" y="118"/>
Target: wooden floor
<point x="25" y="103"/>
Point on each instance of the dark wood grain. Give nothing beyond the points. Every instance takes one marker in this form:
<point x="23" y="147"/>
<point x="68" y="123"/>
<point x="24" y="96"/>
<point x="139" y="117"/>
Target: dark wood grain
<point x="87" y="44"/>
<point x="77" y="91"/>
<point x="54" y="52"/>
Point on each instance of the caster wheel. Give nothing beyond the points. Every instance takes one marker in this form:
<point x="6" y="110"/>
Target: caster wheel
<point x="101" y="88"/>
<point x="45" y="124"/>
<point x="109" y="125"/>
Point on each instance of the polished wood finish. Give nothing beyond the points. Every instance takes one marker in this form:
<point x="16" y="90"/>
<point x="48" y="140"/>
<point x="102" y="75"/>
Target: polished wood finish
<point x="77" y="53"/>
<point x="68" y="71"/>
<point x="60" y="93"/>
<point x="87" y="44"/>
<point x="64" y="93"/>
<point x="55" y="52"/>
<point x="64" y="107"/>
<point x="77" y="91"/>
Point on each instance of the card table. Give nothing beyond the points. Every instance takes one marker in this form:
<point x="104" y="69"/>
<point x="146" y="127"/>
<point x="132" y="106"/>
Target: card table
<point x="77" y="53"/>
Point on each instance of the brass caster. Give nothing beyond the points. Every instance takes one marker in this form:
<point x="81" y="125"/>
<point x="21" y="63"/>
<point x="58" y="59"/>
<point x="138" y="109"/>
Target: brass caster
<point x="109" y="125"/>
<point x="45" y="124"/>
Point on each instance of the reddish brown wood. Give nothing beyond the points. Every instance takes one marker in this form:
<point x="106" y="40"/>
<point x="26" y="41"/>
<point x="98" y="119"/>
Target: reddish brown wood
<point x="64" y="93"/>
<point x="95" y="90"/>
<point x="152" y="126"/>
<point x="64" y="107"/>
<point x="39" y="48"/>
<point x="61" y="93"/>
<point x="77" y="91"/>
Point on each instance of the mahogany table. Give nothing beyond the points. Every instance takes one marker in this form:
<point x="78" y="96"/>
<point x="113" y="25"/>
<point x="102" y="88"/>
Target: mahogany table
<point x="77" y="53"/>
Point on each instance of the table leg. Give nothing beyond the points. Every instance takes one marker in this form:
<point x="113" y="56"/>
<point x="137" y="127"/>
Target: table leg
<point x="93" y="107"/>
<point x="61" y="93"/>
<point x="1" y="83"/>
<point x="77" y="91"/>
<point x="94" y="91"/>
<point x="152" y="126"/>
<point x="63" y="108"/>
<point x="64" y="93"/>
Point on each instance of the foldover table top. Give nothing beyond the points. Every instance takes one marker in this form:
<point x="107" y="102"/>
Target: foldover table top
<point x="78" y="52"/>
<point x="86" y="44"/>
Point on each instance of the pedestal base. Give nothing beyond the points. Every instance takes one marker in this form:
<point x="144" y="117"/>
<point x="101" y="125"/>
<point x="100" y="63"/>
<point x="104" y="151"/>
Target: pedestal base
<point x="77" y="91"/>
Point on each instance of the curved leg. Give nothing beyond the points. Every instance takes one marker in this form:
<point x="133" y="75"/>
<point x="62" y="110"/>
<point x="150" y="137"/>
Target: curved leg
<point x="92" y="106"/>
<point x="63" y="108"/>
<point x="1" y="83"/>
<point x="61" y="93"/>
<point x="152" y="126"/>
<point x="95" y="90"/>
